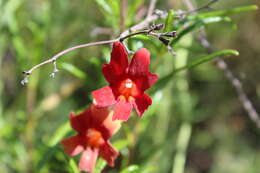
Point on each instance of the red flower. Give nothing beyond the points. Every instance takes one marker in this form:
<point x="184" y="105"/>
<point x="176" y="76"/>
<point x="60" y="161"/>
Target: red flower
<point x="127" y="83"/>
<point x="94" y="127"/>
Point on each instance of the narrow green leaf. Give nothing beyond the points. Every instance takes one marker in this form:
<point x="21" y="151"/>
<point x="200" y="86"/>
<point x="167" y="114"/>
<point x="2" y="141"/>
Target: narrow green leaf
<point x="132" y="8"/>
<point x="100" y="165"/>
<point x="131" y="169"/>
<point x="59" y="134"/>
<point x="104" y="5"/>
<point x="142" y="37"/>
<point x="198" y="24"/>
<point x="203" y="59"/>
<point x="115" y="5"/>
<point x="120" y="144"/>
<point x="45" y="157"/>
<point x="226" y="12"/>
<point x="74" y="70"/>
<point x="53" y="144"/>
<point x="169" y="21"/>
<point x="73" y="166"/>
<point x="164" y="80"/>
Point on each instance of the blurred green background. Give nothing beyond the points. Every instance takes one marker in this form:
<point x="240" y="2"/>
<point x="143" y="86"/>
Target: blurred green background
<point x="195" y="117"/>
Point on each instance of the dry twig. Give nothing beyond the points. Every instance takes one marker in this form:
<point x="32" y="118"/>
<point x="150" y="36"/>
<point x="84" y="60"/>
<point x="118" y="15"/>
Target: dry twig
<point x="151" y="8"/>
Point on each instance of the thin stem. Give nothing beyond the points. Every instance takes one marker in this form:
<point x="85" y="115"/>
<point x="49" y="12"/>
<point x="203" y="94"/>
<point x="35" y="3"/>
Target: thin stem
<point x="194" y="10"/>
<point x="55" y="57"/>
<point x="144" y="24"/>
<point x="147" y="32"/>
<point x="205" y="6"/>
<point x="151" y="8"/>
<point x="185" y="109"/>
<point x="182" y="144"/>
<point x="132" y="34"/>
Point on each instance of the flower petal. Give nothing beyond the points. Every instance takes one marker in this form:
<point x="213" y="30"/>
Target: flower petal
<point x="81" y="122"/>
<point x="139" y="65"/>
<point x="108" y="153"/>
<point x="104" y="97"/>
<point x="145" y="82"/>
<point x="112" y="126"/>
<point x="141" y="103"/>
<point x="88" y="160"/>
<point x="102" y="117"/>
<point x="99" y="114"/>
<point x="72" y="145"/>
<point x="117" y="65"/>
<point x="122" y="110"/>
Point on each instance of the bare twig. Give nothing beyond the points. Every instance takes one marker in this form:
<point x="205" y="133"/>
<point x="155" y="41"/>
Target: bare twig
<point x="206" y="6"/>
<point x="182" y="14"/>
<point x="151" y="8"/>
<point x="145" y="23"/>
<point x="55" y="57"/>
<point x="222" y="65"/>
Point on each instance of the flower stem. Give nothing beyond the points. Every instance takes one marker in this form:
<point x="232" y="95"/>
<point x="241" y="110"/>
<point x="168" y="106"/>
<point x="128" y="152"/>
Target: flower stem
<point x="182" y="144"/>
<point x="185" y="107"/>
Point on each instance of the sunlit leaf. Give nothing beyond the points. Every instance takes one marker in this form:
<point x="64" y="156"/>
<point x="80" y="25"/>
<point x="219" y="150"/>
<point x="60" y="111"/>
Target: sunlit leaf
<point x="226" y="12"/>
<point x="198" y="24"/>
<point x="53" y="144"/>
<point x="164" y="80"/>
<point x="131" y="169"/>
<point x="120" y="144"/>
<point x="74" y="70"/>
<point x="104" y="5"/>
<point x="100" y="165"/>
<point x="59" y="134"/>
<point x="73" y="165"/>
<point x="169" y="21"/>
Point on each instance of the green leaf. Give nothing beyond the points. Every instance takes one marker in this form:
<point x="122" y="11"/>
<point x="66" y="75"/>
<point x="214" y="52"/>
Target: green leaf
<point x="53" y="144"/>
<point x="211" y="17"/>
<point x="104" y="5"/>
<point x="74" y="70"/>
<point x="111" y="11"/>
<point x="120" y="144"/>
<point x="226" y="12"/>
<point x="164" y="80"/>
<point x="100" y="165"/>
<point x="169" y="21"/>
<point x="131" y="169"/>
<point x="59" y="134"/>
<point x="198" y="24"/>
<point x="203" y="59"/>
<point x="132" y="9"/>
<point x="73" y="165"/>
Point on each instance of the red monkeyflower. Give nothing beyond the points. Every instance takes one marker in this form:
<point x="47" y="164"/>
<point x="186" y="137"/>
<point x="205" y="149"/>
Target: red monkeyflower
<point x="127" y="83"/>
<point x="94" y="127"/>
